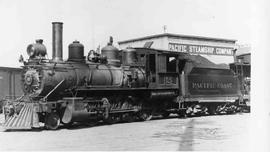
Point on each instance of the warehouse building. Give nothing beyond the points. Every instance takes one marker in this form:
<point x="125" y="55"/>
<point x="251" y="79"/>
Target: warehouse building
<point x="217" y="50"/>
<point x="243" y="55"/>
<point x="10" y="82"/>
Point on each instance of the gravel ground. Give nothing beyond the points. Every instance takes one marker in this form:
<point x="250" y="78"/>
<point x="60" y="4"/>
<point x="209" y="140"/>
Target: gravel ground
<point x="228" y="132"/>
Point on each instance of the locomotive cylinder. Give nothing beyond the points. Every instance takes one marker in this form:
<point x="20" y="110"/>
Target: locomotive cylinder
<point x="57" y="41"/>
<point x="75" y="51"/>
<point x="78" y="114"/>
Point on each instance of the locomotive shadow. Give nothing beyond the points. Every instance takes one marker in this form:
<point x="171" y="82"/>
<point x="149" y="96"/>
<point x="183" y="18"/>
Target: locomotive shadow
<point x="97" y="124"/>
<point x="23" y="130"/>
<point x="84" y="125"/>
<point x="76" y="126"/>
<point x="80" y="125"/>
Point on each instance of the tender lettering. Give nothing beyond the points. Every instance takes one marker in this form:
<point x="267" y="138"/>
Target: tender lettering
<point x="211" y="85"/>
<point x="224" y="85"/>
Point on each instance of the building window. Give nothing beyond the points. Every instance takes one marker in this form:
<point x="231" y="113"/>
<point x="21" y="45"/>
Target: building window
<point x="171" y="64"/>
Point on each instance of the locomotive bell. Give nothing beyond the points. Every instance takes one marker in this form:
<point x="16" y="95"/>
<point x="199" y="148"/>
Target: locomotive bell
<point x="36" y="49"/>
<point x="75" y="51"/>
<point x="112" y="53"/>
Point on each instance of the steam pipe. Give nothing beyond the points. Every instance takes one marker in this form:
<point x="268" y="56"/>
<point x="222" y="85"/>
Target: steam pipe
<point x="57" y="41"/>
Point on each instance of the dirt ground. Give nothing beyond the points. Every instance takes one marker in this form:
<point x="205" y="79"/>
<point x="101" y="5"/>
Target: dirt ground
<point x="228" y="132"/>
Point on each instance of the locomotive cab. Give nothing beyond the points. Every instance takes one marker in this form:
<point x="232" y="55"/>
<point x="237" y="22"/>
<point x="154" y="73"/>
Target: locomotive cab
<point x="161" y="67"/>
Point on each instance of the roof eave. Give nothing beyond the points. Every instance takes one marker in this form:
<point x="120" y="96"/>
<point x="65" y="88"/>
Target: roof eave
<point x="178" y="36"/>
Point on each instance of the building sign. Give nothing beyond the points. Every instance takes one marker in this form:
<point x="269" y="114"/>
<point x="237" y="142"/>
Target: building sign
<point x="199" y="49"/>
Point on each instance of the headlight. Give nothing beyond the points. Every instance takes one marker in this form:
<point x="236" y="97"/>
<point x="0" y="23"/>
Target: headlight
<point x="30" y="50"/>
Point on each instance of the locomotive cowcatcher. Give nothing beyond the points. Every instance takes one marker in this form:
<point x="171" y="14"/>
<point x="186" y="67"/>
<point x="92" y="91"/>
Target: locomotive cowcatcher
<point x="116" y="85"/>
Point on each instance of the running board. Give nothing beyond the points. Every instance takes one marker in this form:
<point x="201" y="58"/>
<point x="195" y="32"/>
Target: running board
<point x="231" y="101"/>
<point x="123" y="111"/>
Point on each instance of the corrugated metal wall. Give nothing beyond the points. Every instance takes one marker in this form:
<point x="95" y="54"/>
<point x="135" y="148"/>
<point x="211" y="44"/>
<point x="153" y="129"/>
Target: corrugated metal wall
<point x="10" y="82"/>
<point x="244" y="58"/>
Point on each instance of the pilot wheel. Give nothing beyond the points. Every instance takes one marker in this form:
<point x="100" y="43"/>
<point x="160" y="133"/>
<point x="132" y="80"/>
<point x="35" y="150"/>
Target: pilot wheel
<point x="52" y="121"/>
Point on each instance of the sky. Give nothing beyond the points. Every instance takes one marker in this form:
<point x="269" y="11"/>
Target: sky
<point x="93" y="21"/>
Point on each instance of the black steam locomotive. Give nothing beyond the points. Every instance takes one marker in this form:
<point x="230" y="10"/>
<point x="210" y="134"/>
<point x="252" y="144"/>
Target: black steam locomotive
<point x="117" y="85"/>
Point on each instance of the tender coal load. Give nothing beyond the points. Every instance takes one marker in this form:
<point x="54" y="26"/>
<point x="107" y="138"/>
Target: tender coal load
<point x="200" y="61"/>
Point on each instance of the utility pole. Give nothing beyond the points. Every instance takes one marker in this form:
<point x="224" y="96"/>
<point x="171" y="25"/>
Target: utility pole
<point x="164" y="28"/>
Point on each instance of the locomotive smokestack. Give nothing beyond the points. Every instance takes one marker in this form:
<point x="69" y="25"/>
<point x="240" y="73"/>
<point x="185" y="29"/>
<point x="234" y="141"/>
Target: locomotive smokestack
<point x="57" y="41"/>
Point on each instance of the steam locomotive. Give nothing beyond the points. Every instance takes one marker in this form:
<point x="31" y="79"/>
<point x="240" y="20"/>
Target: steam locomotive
<point x="117" y="85"/>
